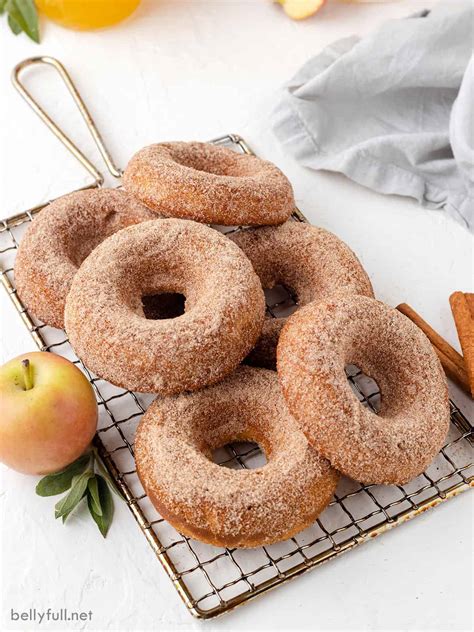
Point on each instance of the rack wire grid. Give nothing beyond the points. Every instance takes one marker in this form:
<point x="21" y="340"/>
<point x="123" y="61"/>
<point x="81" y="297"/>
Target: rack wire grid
<point x="212" y="580"/>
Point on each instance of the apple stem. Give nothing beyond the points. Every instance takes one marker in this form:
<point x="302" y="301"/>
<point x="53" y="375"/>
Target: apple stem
<point x="27" y="374"/>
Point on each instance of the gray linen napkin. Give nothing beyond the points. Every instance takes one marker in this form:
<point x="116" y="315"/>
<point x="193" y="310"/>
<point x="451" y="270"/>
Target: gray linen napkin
<point x="393" y="111"/>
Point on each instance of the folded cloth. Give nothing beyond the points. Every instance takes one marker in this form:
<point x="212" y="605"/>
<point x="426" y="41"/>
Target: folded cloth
<point x="393" y="111"/>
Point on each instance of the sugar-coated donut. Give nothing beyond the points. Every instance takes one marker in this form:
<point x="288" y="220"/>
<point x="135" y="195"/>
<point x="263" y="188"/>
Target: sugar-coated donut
<point x="60" y="238"/>
<point x="316" y="345"/>
<point x="209" y="183"/>
<point x="173" y="450"/>
<point x="224" y="307"/>
<point x="310" y="262"/>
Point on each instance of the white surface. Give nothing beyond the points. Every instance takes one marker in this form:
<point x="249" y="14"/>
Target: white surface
<point x="196" y="70"/>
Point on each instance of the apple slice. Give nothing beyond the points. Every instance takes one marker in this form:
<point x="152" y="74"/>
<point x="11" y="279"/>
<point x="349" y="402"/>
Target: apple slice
<point x="301" y="9"/>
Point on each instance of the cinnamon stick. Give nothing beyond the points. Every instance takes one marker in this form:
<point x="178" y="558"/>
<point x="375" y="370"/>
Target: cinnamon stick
<point x="462" y="306"/>
<point x="451" y="361"/>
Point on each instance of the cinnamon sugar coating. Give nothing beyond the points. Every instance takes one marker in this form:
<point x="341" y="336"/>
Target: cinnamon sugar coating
<point x="209" y="184"/>
<point x="309" y="261"/>
<point x="235" y="508"/>
<point x="399" y="442"/>
<point x="60" y="238"/>
<point x="224" y="307"/>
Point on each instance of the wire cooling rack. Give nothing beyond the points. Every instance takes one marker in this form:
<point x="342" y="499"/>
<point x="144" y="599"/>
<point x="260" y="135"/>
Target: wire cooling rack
<point x="213" y="580"/>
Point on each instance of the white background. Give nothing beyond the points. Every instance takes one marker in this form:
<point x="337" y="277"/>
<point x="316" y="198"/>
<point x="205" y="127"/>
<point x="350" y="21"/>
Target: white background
<point x="196" y="70"/>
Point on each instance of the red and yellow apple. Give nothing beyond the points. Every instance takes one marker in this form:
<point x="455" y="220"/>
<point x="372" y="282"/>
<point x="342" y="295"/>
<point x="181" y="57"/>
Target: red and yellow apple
<point x="48" y="413"/>
<point x="301" y="9"/>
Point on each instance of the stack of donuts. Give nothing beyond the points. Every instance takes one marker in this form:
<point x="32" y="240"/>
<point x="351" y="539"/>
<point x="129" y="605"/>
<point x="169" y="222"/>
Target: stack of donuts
<point x="155" y="299"/>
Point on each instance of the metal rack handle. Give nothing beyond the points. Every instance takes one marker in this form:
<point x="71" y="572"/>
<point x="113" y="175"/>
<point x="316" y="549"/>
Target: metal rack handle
<point x="57" y="131"/>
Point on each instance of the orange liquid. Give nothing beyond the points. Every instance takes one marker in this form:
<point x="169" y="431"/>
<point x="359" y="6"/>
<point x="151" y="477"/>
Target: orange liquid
<point x="87" y="14"/>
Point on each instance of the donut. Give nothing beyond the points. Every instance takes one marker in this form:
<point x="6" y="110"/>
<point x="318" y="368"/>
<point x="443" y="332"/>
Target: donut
<point x="60" y="238"/>
<point x="310" y="262"/>
<point x="174" y="445"/>
<point x="223" y="310"/>
<point x="316" y="345"/>
<point x="210" y="184"/>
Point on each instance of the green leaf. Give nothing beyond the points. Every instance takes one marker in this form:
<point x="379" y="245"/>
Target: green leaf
<point x="76" y="494"/>
<point x="93" y="491"/>
<point x="15" y="28"/>
<point x="61" y="481"/>
<point x="24" y="16"/>
<point x="2" y="6"/>
<point x="108" y="478"/>
<point x="106" y="502"/>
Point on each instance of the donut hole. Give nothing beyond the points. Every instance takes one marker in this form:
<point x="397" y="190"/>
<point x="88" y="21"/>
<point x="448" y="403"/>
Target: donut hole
<point x="364" y="387"/>
<point x="193" y="162"/>
<point x="110" y="216"/>
<point x="163" y="306"/>
<point x="280" y="300"/>
<point x="80" y="248"/>
<point x="237" y="455"/>
<point x="214" y="162"/>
